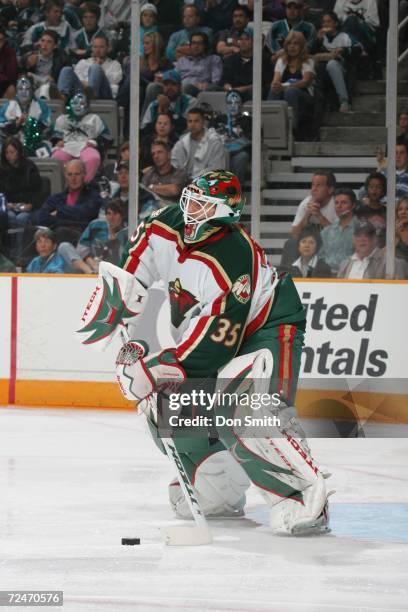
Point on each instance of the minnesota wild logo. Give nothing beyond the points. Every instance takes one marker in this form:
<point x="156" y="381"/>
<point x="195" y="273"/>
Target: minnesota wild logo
<point x="181" y="301"/>
<point x="109" y="314"/>
<point x="241" y="289"/>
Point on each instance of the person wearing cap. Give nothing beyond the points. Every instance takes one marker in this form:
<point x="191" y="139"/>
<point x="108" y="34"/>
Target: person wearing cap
<point x="120" y="189"/>
<point x="293" y="21"/>
<point x="179" y="42"/>
<point x="148" y="16"/>
<point x="172" y="100"/>
<point x="48" y="260"/>
<point x="238" y="67"/>
<point x="200" y="70"/>
<point x="368" y="261"/>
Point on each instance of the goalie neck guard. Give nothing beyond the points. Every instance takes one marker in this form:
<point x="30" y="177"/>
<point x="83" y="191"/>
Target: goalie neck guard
<point x="210" y="199"/>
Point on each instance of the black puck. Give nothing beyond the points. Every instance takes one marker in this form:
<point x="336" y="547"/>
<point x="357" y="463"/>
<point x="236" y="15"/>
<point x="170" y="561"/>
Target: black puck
<point x="130" y="541"/>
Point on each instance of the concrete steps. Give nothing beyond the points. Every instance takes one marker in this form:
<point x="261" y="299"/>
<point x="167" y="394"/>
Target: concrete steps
<point x="370" y="119"/>
<point x="374" y="103"/>
<point x="354" y="134"/>
<point x="335" y="148"/>
<point x="379" y="87"/>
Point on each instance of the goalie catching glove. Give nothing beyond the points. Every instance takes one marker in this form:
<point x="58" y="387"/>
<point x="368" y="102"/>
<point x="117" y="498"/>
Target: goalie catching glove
<point x="139" y="376"/>
<point x="117" y="300"/>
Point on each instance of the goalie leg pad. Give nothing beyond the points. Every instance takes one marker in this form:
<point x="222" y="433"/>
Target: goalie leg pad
<point x="220" y="485"/>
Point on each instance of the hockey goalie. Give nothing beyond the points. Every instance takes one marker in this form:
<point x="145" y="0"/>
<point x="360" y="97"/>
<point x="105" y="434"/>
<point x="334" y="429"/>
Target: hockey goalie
<point x="233" y="319"/>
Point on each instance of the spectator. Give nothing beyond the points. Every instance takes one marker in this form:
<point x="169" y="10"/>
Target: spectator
<point x="148" y="16"/>
<point x="238" y="67"/>
<point x="20" y="182"/>
<point x="200" y="148"/>
<point x="6" y="266"/>
<point x="77" y="135"/>
<point x="199" y="71"/>
<point x="162" y="129"/>
<point x="280" y="29"/>
<point x="372" y="204"/>
<point x="83" y="38"/>
<point x="309" y="262"/>
<point x="317" y="208"/>
<point x="218" y="13"/>
<point x="27" y="12"/>
<point x="44" y="64"/>
<point x="163" y="180"/>
<point x="401" y="249"/>
<point x="401" y="166"/>
<point x="26" y="118"/>
<point x="337" y="238"/>
<point x="359" y="18"/>
<point x="99" y="74"/>
<point x="368" y="261"/>
<point x="403" y="123"/>
<point x="236" y="128"/>
<point x="152" y="66"/>
<point x="227" y="42"/>
<point x="48" y="260"/>
<point x="335" y="50"/>
<point x="102" y="240"/>
<point x="401" y="214"/>
<point x="179" y="42"/>
<point x="72" y="13"/>
<point x="8" y="67"/>
<point x="171" y="100"/>
<point x="273" y="10"/>
<point x="70" y="211"/>
<point x="120" y="189"/>
<point x="114" y="12"/>
<point x="53" y="21"/>
<point x="293" y="78"/>
<point x="314" y="10"/>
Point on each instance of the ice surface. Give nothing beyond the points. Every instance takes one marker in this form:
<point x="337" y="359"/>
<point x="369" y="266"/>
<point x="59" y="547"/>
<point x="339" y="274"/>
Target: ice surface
<point x="73" y="483"/>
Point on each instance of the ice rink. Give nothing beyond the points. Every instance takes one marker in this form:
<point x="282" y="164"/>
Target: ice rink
<point x="74" y="482"/>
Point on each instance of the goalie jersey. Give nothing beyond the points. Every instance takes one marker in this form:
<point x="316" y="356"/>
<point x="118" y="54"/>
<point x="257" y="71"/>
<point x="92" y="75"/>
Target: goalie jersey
<point x="221" y="289"/>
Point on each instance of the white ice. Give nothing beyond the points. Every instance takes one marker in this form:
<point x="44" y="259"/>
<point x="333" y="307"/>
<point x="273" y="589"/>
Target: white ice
<point x="74" y="482"/>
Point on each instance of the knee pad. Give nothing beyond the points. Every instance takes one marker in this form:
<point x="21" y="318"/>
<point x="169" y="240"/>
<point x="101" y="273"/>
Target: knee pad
<point x="220" y="484"/>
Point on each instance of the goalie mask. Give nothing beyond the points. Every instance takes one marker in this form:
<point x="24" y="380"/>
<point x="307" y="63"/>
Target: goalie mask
<point x="78" y="105"/>
<point x="24" y="91"/>
<point x="212" y="198"/>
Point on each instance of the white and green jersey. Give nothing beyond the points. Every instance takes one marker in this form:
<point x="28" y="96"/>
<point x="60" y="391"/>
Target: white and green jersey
<point x="77" y="132"/>
<point x="220" y="289"/>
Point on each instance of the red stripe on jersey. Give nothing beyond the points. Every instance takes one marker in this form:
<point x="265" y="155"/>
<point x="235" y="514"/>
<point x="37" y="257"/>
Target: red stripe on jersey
<point x="135" y="256"/>
<point x="259" y="319"/>
<point x="217" y="275"/>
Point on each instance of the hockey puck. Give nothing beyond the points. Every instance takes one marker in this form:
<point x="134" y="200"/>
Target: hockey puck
<point x="130" y="541"/>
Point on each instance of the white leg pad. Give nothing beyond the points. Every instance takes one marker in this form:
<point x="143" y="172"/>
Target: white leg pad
<point x="220" y="484"/>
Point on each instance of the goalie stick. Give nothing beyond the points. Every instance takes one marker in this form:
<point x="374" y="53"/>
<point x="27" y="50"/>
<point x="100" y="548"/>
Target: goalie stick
<point x="181" y="535"/>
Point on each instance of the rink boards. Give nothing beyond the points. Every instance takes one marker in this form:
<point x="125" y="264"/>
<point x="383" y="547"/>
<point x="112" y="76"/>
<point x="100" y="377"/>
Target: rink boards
<point x="354" y="353"/>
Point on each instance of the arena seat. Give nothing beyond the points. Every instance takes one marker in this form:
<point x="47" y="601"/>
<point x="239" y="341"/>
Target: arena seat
<point x="216" y="99"/>
<point x="51" y="169"/>
<point x="108" y="111"/>
<point x="277" y="129"/>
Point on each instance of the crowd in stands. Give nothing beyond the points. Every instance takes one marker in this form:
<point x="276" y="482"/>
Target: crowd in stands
<point x="79" y="52"/>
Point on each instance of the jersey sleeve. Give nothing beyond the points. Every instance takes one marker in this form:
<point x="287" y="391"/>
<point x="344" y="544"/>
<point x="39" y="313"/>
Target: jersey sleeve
<point x="138" y="256"/>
